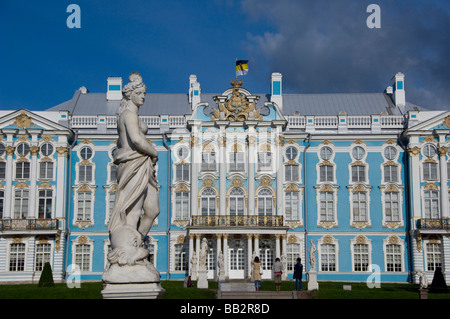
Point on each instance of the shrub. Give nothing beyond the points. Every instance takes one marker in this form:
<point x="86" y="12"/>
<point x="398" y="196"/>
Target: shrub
<point x="46" y="279"/>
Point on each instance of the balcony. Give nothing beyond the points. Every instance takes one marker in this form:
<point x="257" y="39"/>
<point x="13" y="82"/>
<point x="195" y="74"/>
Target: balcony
<point x="249" y="221"/>
<point x="433" y="223"/>
<point x="28" y="224"/>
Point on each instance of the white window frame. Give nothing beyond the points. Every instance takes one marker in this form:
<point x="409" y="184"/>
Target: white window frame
<point x="51" y="198"/>
<point x="394" y="240"/>
<point x="45" y="259"/>
<point x="353" y="243"/>
<point x="89" y="244"/>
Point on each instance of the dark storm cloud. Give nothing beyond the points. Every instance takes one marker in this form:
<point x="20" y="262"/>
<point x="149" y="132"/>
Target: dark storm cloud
<point x="326" y="47"/>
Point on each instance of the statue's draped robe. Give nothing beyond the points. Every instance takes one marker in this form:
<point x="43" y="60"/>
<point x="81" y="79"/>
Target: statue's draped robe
<point x="135" y="174"/>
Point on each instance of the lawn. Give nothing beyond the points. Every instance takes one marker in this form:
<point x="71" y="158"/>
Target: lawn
<point x="175" y="290"/>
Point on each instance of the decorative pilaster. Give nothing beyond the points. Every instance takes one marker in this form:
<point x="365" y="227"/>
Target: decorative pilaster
<point x="251" y="140"/>
<point x="225" y="254"/>
<point x="415" y="182"/>
<point x="8" y="181"/>
<point x="32" y="213"/>
<point x="443" y="178"/>
<point x="194" y="175"/>
<point x="61" y="181"/>
<point x="222" y="173"/>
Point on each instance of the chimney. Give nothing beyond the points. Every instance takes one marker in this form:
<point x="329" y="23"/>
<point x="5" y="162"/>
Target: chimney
<point x="276" y="95"/>
<point x="398" y="82"/>
<point x="114" y="92"/>
<point x="194" y="91"/>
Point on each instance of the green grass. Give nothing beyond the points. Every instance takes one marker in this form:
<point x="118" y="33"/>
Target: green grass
<point x="175" y="290"/>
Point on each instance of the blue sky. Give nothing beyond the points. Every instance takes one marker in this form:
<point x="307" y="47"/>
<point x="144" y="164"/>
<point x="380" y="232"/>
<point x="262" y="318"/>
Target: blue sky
<point x="319" y="47"/>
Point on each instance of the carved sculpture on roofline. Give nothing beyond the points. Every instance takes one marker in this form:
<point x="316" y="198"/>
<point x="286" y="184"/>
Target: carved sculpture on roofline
<point x="236" y="107"/>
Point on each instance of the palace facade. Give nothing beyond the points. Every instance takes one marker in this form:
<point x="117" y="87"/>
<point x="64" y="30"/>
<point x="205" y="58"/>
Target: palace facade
<point x="364" y="178"/>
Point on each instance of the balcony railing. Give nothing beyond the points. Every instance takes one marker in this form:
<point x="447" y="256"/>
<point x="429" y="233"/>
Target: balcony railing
<point x="433" y="223"/>
<point x="28" y="224"/>
<point x="251" y="221"/>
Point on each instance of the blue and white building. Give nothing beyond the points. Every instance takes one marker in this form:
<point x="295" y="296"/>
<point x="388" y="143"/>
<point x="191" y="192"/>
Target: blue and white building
<point x="363" y="177"/>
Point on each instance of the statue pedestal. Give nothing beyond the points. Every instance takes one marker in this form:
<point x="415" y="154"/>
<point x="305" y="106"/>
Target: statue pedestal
<point x="151" y="290"/>
<point x="202" y="282"/>
<point x="312" y="281"/>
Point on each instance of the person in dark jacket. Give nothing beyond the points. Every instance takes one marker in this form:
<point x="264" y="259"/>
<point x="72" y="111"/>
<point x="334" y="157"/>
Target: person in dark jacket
<point x="298" y="272"/>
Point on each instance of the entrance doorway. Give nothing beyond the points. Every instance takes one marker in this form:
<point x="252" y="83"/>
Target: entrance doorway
<point x="237" y="257"/>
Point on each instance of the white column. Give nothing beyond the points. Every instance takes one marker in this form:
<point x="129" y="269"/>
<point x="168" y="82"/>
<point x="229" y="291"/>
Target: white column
<point x="222" y="172"/>
<point x="251" y="171"/>
<point x="415" y="184"/>
<point x="256" y="248"/>
<point x="443" y="179"/>
<point x="7" y="211"/>
<point x="249" y="254"/>
<point x="277" y="246"/>
<point x="194" y="173"/>
<point x="191" y="246"/>
<point x="225" y="254"/>
<point x="32" y="212"/>
<point x="61" y="182"/>
<point x="279" y="172"/>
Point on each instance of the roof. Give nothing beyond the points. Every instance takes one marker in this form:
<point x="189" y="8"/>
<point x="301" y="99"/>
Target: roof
<point x="178" y="104"/>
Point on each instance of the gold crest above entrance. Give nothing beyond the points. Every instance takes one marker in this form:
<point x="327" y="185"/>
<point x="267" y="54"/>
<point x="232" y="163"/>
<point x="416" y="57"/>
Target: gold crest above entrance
<point x="236" y="105"/>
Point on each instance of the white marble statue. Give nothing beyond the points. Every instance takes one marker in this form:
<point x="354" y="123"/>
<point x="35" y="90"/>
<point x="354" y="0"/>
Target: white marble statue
<point x="136" y="204"/>
<point x="202" y="255"/>
<point x="193" y="265"/>
<point x="423" y="280"/>
<point x="312" y="255"/>
<point x="221" y="264"/>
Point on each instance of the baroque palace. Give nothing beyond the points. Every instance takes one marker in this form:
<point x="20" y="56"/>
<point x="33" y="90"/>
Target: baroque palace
<point x="363" y="178"/>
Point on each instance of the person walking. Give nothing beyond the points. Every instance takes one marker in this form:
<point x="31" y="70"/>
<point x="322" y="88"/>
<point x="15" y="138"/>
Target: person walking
<point x="298" y="272"/>
<point x="277" y="271"/>
<point x="256" y="273"/>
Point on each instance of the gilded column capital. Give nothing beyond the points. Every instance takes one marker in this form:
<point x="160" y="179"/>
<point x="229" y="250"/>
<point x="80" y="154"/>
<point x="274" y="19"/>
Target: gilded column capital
<point x="194" y="141"/>
<point x="249" y="236"/>
<point x="62" y="151"/>
<point x="34" y="150"/>
<point x="414" y="151"/>
<point x="280" y="140"/>
<point x="251" y="140"/>
<point x="443" y="151"/>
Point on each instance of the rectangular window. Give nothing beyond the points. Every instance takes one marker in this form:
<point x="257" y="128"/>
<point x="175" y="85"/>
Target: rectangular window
<point x="359" y="207"/>
<point x="393" y="258"/>
<point x="208" y="161"/>
<point x="43" y="253"/>
<point x="434" y="256"/>
<point x="326" y="173"/>
<point x="292" y="206"/>
<point x="113" y="173"/>
<point x="430" y="171"/>
<point x="2" y="203"/>
<point x="326" y="206"/>
<point x="180" y="257"/>
<point x="264" y="161"/>
<point x="84" y="206"/>
<point x="328" y="257"/>
<point x="112" y="199"/>
<point x="85" y="173"/>
<point x="2" y="170"/>
<point x="182" y="172"/>
<point x="22" y="170"/>
<point x="83" y="256"/>
<point x="236" y="206"/>
<point x="391" y="207"/>
<point x="17" y="257"/>
<point x="181" y="206"/>
<point x="431" y="204"/>
<point x="293" y="252"/>
<point x="390" y="173"/>
<point x="237" y="161"/>
<point x="21" y="203"/>
<point x="45" y="204"/>
<point x="358" y="173"/>
<point x="361" y="257"/>
<point x="46" y="170"/>
<point x="291" y="173"/>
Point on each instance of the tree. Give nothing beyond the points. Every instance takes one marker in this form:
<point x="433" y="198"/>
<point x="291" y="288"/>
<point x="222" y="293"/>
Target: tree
<point x="46" y="279"/>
